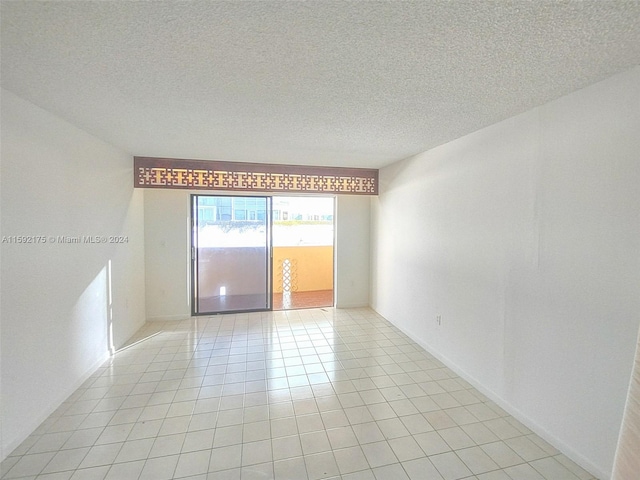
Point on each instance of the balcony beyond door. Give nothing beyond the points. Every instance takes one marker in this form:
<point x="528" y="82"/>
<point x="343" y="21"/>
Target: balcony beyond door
<point x="302" y="252"/>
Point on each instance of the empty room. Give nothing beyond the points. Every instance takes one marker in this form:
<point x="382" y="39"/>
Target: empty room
<point x="303" y="240"/>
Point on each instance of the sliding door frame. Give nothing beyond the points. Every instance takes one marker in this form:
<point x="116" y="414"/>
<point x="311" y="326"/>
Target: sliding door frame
<point x="195" y="284"/>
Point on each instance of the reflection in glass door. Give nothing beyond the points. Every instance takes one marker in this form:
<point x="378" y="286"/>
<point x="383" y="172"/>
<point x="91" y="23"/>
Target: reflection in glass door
<point x="231" y="252"/>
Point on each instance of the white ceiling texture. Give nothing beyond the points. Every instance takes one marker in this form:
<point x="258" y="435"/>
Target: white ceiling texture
<point x="359" y="83"/>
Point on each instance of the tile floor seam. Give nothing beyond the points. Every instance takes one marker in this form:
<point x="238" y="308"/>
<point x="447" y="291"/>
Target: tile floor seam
<point x="173" y="390"/>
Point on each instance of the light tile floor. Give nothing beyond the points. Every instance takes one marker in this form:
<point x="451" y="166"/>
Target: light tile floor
<point x="306" y="394"/>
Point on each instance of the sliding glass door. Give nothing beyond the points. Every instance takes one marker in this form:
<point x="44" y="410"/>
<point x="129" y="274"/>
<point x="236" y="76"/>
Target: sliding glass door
<point x="231" y="254"/>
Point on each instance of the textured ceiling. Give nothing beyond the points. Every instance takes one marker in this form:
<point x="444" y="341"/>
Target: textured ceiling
<point x="328" y="83"/>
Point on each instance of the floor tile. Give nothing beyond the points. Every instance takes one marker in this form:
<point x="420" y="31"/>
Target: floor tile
<point x="135" y="450"/>
<point x="315" y="442"/>
<point x="145" y="429"/>
<point x="198" y="440"/>
<point x="432" y="443"/>
<point x="421" y="469"/>
<point x="282" y="427"/>
<point x="406" y="448"/>
<point x="321" y="465"/>
<point x="379" y="454"/>
<point x="259" y="471"/>
<point x="120" y="471"/>
<point x="115" y="433"/>
<point x="227" y="436"/>
<point x="350" y="459"/>
<point x="394" y="471"/>
<point x="93" y="473"/>
<point x="286" y="447"/>
<point x="550" y="468"/>
<point x="256" y="452"/>
<point x="368" y="432"/>
<point x="225" y="458"/>
<point x="523" y="471"/>
<point x="101" y="455"/>
<point x="574" y="468"/>
<point x="342" y="437"/>
<point x="525" y="448"/>
<point x="192" y="463"/>
<point x="290" y="469"/>
<point x="479" y="433"/>
<point x="308" y="394"/>
<point x="456" y="438"/>
<point x="392" y="428"/>
<point x="362" y="475"/>
<point x="450" y="466"/>
<point x="30" y="465"/>
<point x="161" y="468"/>
<point x="496" y="475"/>
<point x="334" y="418"/>
<point x="477" y="460"/>
<point x="502" y="454"/>
<point x="50" y="442"/>
<point x="66" y="460"/>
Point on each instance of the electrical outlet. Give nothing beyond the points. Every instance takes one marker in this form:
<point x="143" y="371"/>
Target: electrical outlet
<point x="439" y="319"/>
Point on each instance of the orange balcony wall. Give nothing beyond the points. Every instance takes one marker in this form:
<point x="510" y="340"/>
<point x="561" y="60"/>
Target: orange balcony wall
<point x="311" y="268"/>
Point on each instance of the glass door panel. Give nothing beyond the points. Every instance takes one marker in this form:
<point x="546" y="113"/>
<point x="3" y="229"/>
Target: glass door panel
<point x="231" y="250"/>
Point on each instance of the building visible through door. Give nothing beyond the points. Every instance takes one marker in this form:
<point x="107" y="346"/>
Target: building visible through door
<point x="259" y="253"/>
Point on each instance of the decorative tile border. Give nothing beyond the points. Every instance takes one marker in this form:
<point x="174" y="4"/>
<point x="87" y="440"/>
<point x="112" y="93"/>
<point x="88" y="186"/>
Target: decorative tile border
<point x="151" y="172"/>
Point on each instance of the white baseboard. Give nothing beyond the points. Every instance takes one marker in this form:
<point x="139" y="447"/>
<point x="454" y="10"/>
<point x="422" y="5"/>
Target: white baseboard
<point x="169" y="318"/>
<point x="352" y="305"/>
<point x="567" y="450"/>
<point x="34" y="422"/>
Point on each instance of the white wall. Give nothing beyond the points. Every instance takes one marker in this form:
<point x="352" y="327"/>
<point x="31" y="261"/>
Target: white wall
<point x="352" y="251"/>
<point x="524" y="238"/>
<point x="166" y="236"/>
<point x="56" y="311"/>
<point x="627" y="460"/>
<point x="166" y="222"/>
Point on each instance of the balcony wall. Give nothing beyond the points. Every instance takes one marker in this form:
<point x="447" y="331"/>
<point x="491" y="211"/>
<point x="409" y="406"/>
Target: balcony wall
<point x="240" y="270"/>
<point x="312" y="268"/>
